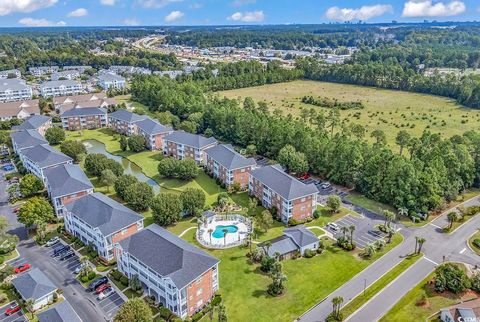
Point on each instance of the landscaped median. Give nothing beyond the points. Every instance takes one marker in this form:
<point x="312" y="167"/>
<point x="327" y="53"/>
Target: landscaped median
<point x="378" y="285"/>
<point x="474" y="242"/>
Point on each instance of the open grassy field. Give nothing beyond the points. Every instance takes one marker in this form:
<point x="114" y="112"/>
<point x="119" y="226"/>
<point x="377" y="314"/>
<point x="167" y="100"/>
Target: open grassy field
<point x="388" y="110"/>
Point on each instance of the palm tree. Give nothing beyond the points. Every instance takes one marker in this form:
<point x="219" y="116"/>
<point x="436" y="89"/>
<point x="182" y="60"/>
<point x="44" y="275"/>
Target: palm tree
<point x="337" y="301"/>
<point x="29" y="304"/>
<point x="403" y="211"/>
<point x="344" y="231"/>
<point x="389" y="216"/>
<point x="266" y="246"/>
<point x="225" y="231"/>
<point x="421" y="241"/>
<point x="210" y="231"/>
<point x="451" y="216"/>
<point x="352" y="229"/>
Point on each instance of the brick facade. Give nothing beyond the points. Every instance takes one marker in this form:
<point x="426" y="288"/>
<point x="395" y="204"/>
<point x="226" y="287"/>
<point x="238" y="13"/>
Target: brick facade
<point x="200" y="293"/>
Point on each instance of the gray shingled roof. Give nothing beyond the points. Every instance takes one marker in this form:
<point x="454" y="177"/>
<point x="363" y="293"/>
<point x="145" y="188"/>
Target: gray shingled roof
<point x="193" y="140"/>
<point x="103" y="213"/>
<point x="281" y="245"/>
<point x="33" y="284"/>
<point x="13" y="84"/>
<point x="226" y="155"/>
<point x="85" y="111"/>
<point x="32" y="123"/>
<point x="285" y="185"/>
<point x="168" y="255"/>
<point x="110" y="77"/>
<point x="58" y="83"/>
<point x="124" y="115"/>
<point x="61" y="312"/>
<point x="66" y="179"/>
<point x="301" y="235"/>
<point x="27" y="139"/>
<point x="46" y="156"/>
<point x="153" y="127"/>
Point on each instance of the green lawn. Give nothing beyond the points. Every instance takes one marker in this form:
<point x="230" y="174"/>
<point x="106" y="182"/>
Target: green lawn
<point x="380" y="284"/>
<point x="407" y="309"/>
<point x="131" y="294"/>
<point x="243" y="286"/>
<point x="476" y="249"/>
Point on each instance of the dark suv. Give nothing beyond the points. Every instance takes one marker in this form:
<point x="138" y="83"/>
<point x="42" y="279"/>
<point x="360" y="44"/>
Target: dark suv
<point x="96" y="283"/>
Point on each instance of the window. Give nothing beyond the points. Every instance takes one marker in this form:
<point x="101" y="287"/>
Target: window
<point x="199" y="303"/>
<point x="199" y="291"/>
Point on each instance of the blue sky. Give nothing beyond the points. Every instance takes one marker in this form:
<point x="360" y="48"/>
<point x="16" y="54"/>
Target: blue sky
<point x="14" y="13"/>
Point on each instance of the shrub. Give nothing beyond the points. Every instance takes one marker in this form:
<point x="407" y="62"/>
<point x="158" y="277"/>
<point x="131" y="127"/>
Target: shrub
<point x="217" y="299"/>
<point x="309" y="253"/>
<point x="91" y="276"/>
<point x="124" y="280"/>
<point x="476" y="242"/>
<point x="450" y="277"/>
<point x="294" y="222"/>
<point x="316" y="214"/>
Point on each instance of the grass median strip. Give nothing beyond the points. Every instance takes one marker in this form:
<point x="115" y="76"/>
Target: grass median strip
<point x="380" y="284"/>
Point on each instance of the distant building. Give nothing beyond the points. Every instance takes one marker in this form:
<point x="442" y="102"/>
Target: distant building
<point x="124" y="122"/>
<point x="182" y="145"/>
<point x="129" y="70"/>
<point x="19" y="109"/>
<point x="182" y="277"/>
<point x="98" y="220"/>
<point x="65" y="184"/>
<point x="14" y="89"/>
<point x="43" y="70"/>
<point x="39" y="158"/>
<point x="153" y="131"/>
<point x="111" y="81"/>
<point x="228" y="165"/>
<point x="66" y="75"/>
<point x="6" y="73"/>
<point x="81" y="69"/>
<point x="61" y="88"/>
<point x="275" y="188"/>
<point x="35" y="285"/>
<point x="26" y="139"/>
<point x="41" y="123"/>
<point x="61" y="312"/>
<point x="172" y="74"/>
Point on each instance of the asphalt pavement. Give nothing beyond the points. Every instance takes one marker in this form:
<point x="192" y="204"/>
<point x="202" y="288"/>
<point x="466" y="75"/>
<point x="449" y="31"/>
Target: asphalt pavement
<point x="16" y="317"/>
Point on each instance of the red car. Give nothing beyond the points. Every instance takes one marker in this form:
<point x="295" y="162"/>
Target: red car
<point x="305" y="176"/>
<point x="22" y="268"/>
<point x="14" y="308"/>
<point x="16" y="210"/>
<point x="102" y="288"/>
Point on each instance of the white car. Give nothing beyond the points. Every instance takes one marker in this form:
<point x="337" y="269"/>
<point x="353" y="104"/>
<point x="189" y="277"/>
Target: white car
<point x="79" y="268"/>
<point x="106" y="293"/>
<point x="52" y="241"/>
<point x="333" y="226"/>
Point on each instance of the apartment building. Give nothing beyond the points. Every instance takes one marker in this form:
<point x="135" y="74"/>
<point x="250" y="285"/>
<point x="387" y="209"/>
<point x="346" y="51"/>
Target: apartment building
<point x="65" y="184"/>
<point x="80" y="118"/>
<point x="182" y="277"/>
<point x="4" y="74"/>
<point x="26" y="139"/>
<point x="154" y="132"/>
<point x="14" y="89"/>
<point x="275" y="188"/>
<point x="183" y="145"/>
<point x="81" y="69"/>
<point x="39" y="158"/>
<point x="65" y="103"/>
<point x="111" y="81"/>
<point x="124" y="122"/>
<point x="60" y="88"/>
<point x="228" y="165"/>
<point x="131" y="70"/>
<point x="18" y="109"/>
<point x="101" y="221"/>
<point x="66" y="74"/>
<point x="42" y="70"/>
<point x="41" y="123"/>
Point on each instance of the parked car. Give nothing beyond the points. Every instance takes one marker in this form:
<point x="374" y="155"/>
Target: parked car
<point x="60" y="249"/>
<point x="102" y="288"/>
<point x="79" y="268"/>
<point x="16" y="210"/>
<point x="96" y="283"/>
<point x="67" y="255"/>
<point x="14" y="308"/>
<point x="333" y="226"/>
<point x="22" y="268"/>
<point x="305" y="176"/>
<point x="52" y="241"/>
<point x="106" y="293"/>
<point x="8" y="167"/>
<point x="325" y="185"/>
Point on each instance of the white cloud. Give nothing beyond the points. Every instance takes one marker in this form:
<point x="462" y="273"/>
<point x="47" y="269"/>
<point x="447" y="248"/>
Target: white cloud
<point x="253" y="16"/>
<point x="172" y="16"/>
<point x="426" y="8"/>
<point x="32" y="22"/>
<point x="80" y="12"/>
<point x="107" y="2"/>
<point x="239" y="3"/>
<point x="12" y="6"/>
<point x="131" y="22"/>
<point x="153" y="4"/>
<point x="362" y="13"/>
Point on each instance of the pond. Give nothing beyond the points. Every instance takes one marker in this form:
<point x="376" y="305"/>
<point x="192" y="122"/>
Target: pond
<point x="94" y="146"/>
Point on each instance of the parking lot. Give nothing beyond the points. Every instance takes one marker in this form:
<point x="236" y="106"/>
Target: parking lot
<point x="16" y="317"/>
<point x="364" y="233"/>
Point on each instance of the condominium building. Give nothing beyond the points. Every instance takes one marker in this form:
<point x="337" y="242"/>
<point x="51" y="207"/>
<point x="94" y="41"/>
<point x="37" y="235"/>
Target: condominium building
<point x="26" y="139"/>
<point x="183" y="145"/>
<point x="100" y="221"/>
<point x="84" y="118"/>
<point x="182" y="277"/>
<point x="111" y="81"/>
<point x="39" y="158"/>
<point x="65" y="103"/>
<point x="65" y="184"/>
<point x="61" y="88"/>
<point x="124" y="122"/>
<point x="81" y="69"/>
<point x="14" y="89"/>
<point x="41" y="123"/>
<point x="9" y="73"/>
<point x="228" y="165"/>
<point x="275" y="188"/>
<point x="129" y="70"/>
<point x="42" y="70"/>
<point x="66" y="74"/>
<point x="154" y="132"/>
<point x="19" y="109"/>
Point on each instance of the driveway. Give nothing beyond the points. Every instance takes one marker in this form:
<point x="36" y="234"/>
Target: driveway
<point x="17" y="317"/>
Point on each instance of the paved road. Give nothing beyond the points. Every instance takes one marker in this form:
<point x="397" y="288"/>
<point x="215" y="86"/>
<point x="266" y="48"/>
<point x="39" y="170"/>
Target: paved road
<point x="64" y="279"/>
<point x="16" y="317"/>
<point x="439" y="247"/>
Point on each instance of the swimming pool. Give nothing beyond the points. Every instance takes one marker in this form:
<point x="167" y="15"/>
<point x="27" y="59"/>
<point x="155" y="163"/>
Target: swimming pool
<point x="218" y="232"/>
